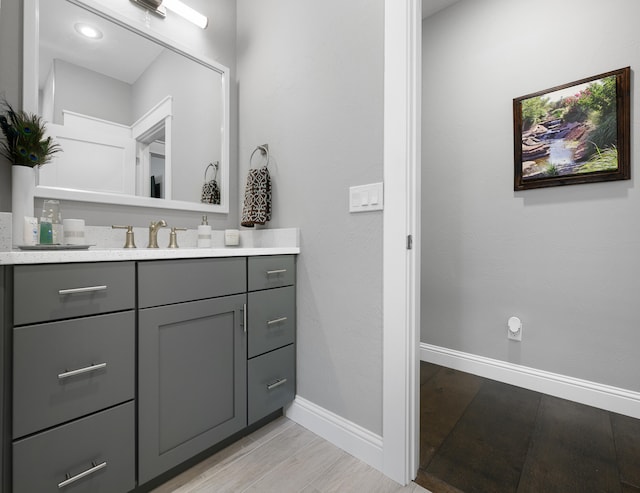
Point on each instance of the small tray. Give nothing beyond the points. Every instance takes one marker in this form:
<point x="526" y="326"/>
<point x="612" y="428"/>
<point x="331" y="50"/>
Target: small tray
<point x="55" y="246"/>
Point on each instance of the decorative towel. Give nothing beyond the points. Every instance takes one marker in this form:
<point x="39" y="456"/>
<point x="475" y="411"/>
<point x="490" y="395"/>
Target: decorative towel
<point x="257" y="198"/>
<point x="210" y="189"/>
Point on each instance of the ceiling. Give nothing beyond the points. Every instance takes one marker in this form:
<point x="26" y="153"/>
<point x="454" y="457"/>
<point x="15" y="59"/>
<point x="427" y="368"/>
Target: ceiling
<point x="120" y="54"/>
<point x="59" y="40"/>
<point x="430" y="7"/>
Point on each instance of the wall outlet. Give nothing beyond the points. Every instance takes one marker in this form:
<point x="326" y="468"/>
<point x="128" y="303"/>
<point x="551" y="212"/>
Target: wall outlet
<point x="514" y="329"/>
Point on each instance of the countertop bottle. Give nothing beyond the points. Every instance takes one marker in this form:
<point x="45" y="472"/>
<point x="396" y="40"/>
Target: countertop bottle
<point x="204" y="234"/>
<point x="46" y="230"/>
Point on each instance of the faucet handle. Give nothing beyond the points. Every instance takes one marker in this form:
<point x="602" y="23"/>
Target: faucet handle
<point x="129" y="240"/>
<point x="173" y="237"/>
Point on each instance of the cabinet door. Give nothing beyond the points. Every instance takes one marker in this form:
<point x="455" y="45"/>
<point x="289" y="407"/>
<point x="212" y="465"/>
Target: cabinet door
<point x="192" y="380"/>
<point x="67" y="369"/>
<point x="94" y="454"/>
<point x="271" y="271"/>
<point x="49" y="292"/>
<point x="272" y="382"/>
<point x="5" y="373"/>
<point x="271" y="319"/>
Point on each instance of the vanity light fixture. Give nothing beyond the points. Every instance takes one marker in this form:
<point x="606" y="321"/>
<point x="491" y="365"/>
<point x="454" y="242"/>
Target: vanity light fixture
<point x="159" y="8"/>
<point x="88" y="31"/>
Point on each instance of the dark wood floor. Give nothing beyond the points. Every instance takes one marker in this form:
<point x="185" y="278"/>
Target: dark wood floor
<point x="478" y="435"/>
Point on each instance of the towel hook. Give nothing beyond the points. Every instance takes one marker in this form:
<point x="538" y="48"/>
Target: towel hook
<point x="215" y="167"/>
<point x="264" y="151"/>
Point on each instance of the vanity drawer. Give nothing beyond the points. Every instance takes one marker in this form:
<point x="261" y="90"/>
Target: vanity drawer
<point x="42" y="462"/>
<point x="57" y="291"/>
<point x="272" y="319"/>
<point x="271" y="271"/>
<point x="271" y="382"/>
<point x="173" y="281"/>
<point x="101" y="348"/>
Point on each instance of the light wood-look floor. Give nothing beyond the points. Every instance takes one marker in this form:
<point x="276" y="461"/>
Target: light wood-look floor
<point x="283" y="457"/>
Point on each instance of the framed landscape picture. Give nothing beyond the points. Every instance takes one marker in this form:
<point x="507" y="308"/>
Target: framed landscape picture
<point x="573" y="133"/>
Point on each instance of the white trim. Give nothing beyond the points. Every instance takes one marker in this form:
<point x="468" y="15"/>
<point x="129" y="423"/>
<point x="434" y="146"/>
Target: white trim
<point x="350" y="437"/>
<point x="401" y="288"/>
<point x="594" y="394"/>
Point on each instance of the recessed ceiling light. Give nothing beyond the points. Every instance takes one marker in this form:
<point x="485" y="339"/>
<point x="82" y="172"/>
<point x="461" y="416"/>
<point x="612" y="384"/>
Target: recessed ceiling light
<point x="88" y="31"/>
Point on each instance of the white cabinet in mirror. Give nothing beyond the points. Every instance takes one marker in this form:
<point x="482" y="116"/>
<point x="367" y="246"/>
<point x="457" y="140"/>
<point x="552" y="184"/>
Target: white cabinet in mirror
<point x="139" y="117"/>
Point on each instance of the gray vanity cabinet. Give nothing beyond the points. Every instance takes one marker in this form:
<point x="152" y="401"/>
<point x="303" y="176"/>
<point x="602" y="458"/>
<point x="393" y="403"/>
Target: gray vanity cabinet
<point x="112" y="369"/>
<point x="191" y="359"/>
<point x="271" y="352"/>
<point x="73" y="377"/>
<point x="5" y="372"/>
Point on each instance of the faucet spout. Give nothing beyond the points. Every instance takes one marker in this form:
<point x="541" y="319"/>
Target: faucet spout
<point x="153" y="232"/>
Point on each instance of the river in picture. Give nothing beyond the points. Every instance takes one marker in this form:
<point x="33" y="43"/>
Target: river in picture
<point x="561" y="157"/>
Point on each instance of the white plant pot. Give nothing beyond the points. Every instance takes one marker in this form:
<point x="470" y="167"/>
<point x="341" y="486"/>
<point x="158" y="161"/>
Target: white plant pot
<point x="23" y="187"/>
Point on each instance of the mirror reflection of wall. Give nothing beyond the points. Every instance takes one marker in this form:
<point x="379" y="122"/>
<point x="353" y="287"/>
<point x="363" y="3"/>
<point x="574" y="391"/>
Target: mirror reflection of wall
<point x="110" y="85"/>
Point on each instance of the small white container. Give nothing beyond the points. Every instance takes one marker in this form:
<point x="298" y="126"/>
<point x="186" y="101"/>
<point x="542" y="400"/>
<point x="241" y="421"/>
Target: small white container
<point x="231" y="237"/>
<point x="73" y="231"/>
<point x="30" y="231"/>
<point x="204" y="234"/>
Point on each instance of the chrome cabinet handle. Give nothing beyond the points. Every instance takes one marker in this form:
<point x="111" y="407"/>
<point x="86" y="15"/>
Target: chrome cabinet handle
<point x="278" y="271"/>
<point x="277" y="383"/>
<point x="80" y="371"/>
<point x="88" y="289"/>
<point x="244" y="318"/>
<point x="277" y="321"/>
<point x="84" y="474"/>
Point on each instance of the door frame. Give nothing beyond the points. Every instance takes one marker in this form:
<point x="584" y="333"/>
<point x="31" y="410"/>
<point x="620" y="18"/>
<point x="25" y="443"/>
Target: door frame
<point x="401" y="216"/>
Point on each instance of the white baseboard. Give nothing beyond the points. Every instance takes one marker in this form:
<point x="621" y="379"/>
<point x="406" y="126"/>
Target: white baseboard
<point x="350" y="437"/>
<point x="583" y="391"/>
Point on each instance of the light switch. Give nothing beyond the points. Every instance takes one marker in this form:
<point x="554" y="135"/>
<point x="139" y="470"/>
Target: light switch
<point x="355" y="199"/>
<point x="363" y="198"/>
<point x="373" y="197"/>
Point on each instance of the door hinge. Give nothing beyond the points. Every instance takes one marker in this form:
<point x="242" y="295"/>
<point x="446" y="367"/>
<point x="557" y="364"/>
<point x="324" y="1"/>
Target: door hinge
<point x="409" y="242"/>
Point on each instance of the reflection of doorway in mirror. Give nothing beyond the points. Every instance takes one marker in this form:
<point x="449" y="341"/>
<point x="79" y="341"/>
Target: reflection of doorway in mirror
<point x="152" y="133"/>
<point x="156" y="168"/>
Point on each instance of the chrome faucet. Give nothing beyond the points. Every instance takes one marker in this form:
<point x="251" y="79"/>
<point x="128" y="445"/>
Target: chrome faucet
<point x="153" y="232"/>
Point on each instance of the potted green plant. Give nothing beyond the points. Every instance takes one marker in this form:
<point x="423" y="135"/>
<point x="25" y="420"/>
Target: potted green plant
<point x="26" y="147"/>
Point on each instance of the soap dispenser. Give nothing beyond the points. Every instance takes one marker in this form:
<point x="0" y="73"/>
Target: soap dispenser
<point x="204" y="234"/>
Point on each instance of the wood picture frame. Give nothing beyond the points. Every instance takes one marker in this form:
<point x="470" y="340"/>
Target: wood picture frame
<point x="573" y="133"/>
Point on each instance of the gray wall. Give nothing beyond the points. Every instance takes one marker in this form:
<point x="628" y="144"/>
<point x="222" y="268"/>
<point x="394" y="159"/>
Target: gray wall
<point x="564" y="259"/>
<point x="217" y="42"/>
<point x="310" y="77"/>
<point x="84" y="91"/>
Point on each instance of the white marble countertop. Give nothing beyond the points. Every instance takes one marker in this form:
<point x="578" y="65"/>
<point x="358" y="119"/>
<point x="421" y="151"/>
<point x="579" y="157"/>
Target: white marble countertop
<point x="120" y="254"/>
<point x="252" y="243"/>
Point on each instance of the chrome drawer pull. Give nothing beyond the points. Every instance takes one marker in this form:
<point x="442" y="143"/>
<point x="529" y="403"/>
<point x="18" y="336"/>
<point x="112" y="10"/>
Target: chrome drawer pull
<point x="84" y="474"/>
<point x="278" y="271"/>
<point x="80" y="371"/>
<point x="244" y="318"/>
<point x="277" y="383"/>
<point x="88" y="289"/>
<point x="277" y="321"/>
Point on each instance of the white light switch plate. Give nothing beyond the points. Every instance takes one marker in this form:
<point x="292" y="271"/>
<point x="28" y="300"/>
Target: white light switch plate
<point x="363" y="198"/>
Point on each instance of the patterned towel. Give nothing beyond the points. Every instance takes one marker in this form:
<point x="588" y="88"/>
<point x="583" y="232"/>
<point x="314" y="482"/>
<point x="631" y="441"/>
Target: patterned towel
<point x="257" y="198"/>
